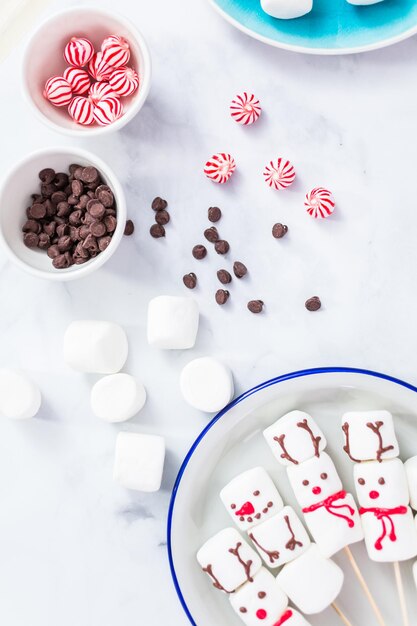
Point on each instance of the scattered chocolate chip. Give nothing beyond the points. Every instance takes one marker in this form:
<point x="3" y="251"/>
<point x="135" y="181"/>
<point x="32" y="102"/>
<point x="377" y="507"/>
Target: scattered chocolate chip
<point x="222" y="296"/>
<point x="162" y="217"/>
<point x="156" y="230"/>
<point x="224" y="277"/>
<point x="222" y="246"/>
<point x="255" y="306"/>
<point x="239" y="269"/>
<point x="158" y="204"/>
<point x="214" y="214"/>
<point x="279" y="230"/>
<point x="129" y="228"/>
<point x="313" y="304"/>
<point x="190" y="280"/>
<point x="88" y="175"/>
<point x="30" y="240"/>
<point x="211" y="234"/>
<point x="199" y="252"/>
<point x="47" y="175"/>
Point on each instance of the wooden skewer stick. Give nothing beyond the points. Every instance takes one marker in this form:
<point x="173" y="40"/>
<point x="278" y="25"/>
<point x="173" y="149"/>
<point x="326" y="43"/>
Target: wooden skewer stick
<point x="401" y="594"/>
<point x="341" y="615"/>
<point x="365" y="587"/>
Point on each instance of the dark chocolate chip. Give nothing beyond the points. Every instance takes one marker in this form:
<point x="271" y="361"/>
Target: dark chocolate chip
<point x="64" y="243"/>
<point x="98" y="229"/>
<point x="77" y="188"/>
<point x="110" y="223"/>
<point x="30" y="240"/>
<point x="90" y="244"/>
<point x="279" y="230"/>
<point x="222" y="296"/>
<point x="73" y="167"/>
<point x="62" y="261"/>
<point x="47" y="175"/>
<point x="44" y="241"/>
<point x="224" y="277"/>
<point x="84" y="231"/>
<point x="75" y="217"/>
<point x="80" y="251"/>
<point x="50" y="207"/>
<point x="53" y="251"/>
<point x="211" y="234"/>
<point x="105" y="195"/>
<point x="239" y="269"/>
<point x="199" y="252"/>
<point x="104" y="242"/>
<point x="158" y="204"/>
<point x="313" y="304"/>
<point x="156" y="230"/>
<point x="58" y="196"/>
<point x="37" y="211"/>
<point x="88" y="175"/>
<point x="63" y="209"/>
<point x="222" y="246"/>
<point x="96" y="209"/>
<point x="129" y="228"/>
<point x="31" y="226"/>
<point x="255" y="306"/>
<point x="82" y="203"/>
<point x="72" y="199"/>
<point x="74" y="233"/>
<point x="214" y="214"/>
<point x="61" y="180"/>
<point x="62" y="230"/>
<point x="162" y="217"/>
<point x="47" y="189"/>
<point x="190" y="280"/>
<point x="49" y="228"/>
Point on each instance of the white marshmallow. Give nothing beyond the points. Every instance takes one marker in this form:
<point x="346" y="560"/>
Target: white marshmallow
<point x="228" y="560"/>
<point x="139" y="461"/>
<point x="287" y="9"/>
<point x="415" y="573"/>
<point x="207" y="384"/>
<point x="295" y="438"/>
<point x="20" y="398"/>
<point x="369" y="436"/>
<point x="382" y="485"/>
<point x="260" y="601"/>
<point x="117" y="397"/>
<point x="363" y="2"/>
<point x="391" y="536"/>
<point x="311" y="582"/>
<point x="251" y="498"/>
<point x="411" y="471"/>
<point x="314" y="480"/>
<point x="281" y="538"/>
<point x="172" y="322"/>
<point x="92" y="346"/>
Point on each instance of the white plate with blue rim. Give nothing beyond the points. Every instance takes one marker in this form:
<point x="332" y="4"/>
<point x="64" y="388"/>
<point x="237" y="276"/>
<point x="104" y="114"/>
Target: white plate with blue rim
<point x="233" y="442"/>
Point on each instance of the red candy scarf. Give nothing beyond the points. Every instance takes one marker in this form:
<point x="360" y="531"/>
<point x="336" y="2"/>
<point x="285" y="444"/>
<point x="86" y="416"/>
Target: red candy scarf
<point x="284" y="618"/>
<point x="384" y="515"/>
<point x="330" y="507"/>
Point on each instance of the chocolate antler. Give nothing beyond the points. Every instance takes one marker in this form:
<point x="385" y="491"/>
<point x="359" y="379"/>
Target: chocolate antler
<point x="376" y="428"/>
<point x="316" y="440"/>
<point x="285" y="454"/>
<point x="346" y="447"/>
<point x="216" y="582"/>
<point x="273" y="555"/>
<point x="246" y="565"/>
<point x="291" y="543"/>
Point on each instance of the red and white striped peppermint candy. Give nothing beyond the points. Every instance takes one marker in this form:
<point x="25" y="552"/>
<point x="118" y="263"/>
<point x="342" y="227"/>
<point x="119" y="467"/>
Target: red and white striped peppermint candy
<point x="319" y="203"/>
<point x="78" y="79"/>
<point x="78" y="51"/>
<point x="116" y="50"/>
<point x="108" y="110"/>
<point x="99" y="68"/>
<point x="81" y="110"/>
<point x="124" y="81"/>
<point x="245" y="108"/>
<point x="279" y="174"/>
<point x="98" y="91"/>
<point x="58" y="91"/>
<point x="220" y="167"/>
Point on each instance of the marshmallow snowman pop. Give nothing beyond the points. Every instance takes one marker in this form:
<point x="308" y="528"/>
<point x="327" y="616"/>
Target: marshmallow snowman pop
<point x="382" y="490"/>
<point x="411" y="471"/>
<point x="329" y="511"/>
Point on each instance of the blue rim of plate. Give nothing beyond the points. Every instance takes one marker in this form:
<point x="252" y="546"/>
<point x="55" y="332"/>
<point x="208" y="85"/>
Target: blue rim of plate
<point x="243" y="396"/>
<point x="238" y="17"/>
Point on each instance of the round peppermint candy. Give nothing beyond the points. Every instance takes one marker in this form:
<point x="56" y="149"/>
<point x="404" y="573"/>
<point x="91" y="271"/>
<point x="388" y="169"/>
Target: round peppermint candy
<point x="319" y="203"/>
<point x="116" y="51"/>
<point x="245" y="108"/>
<point x="220" y="167"/>
<point x="78" y="79"/>
<point x="279" y="174"/>
<point x="99" y="68"/>
<point x="78" y="51"/>
<point x="124" y="81"/>
<point x="99" y="91"/>
<point x="81" y="110"/>
<point x="108" y="110"/>
<point x="58" y="91"/>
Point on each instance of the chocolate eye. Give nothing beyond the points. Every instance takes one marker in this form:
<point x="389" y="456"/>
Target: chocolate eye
<point x="306" y="482"/>
<point x="243" y="609"/>
<point x="256" y="493"/>
<point x="361" y="481"/>
<point x="261" y="595"/>
<point x="323" y="476"/>
<point x="381" y="481"/>
<point x="233" y="506"/>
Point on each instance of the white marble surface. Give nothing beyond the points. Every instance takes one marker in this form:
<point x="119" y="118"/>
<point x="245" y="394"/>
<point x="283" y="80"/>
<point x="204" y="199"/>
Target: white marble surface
<point x="75" y="548"/>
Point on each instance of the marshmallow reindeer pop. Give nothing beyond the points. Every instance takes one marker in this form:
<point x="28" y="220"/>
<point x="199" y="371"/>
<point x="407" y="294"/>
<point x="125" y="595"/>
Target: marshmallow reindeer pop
<point x="382" y="490"/>
<point x="329" y="511"/>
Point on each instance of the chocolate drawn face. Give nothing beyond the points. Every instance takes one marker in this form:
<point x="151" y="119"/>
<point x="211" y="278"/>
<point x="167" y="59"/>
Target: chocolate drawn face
<point x="260" y="603"/>
<point x="314" y="480"/>
<point x="381" y="485"/>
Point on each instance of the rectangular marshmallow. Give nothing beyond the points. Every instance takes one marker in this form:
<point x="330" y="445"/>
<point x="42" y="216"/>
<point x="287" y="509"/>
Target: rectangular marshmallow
<point x="311" y="582"/>
<point x="383" y="485"/>
<point x="172" y="322"/>
<point x="281" y="538"/>
<point x="287" y="9"/>
<point x="391" y="536"/>
<point x="411" y="470"/>
<point x="260" y="601"/>
<point x="139" y="461"/>
<point x="228" y="560"/>
<point x="295" y="438"/>
<point x="251" y="498"/>
<point x="95" y="347"/>
<point x="369" y="436"/>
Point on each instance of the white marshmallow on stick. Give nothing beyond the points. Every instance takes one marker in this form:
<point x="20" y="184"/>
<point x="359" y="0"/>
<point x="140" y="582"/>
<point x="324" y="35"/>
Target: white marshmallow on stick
<point x="287" y="9"/>
<point x="117" y="397"/>
<point x="251" y="498"/>
<point x="411" y="471"/>
<point x="20" y="398"/>
<point x="207" y="384"/>
<point x="369" y="436"/>
<point x="95" y="347"/>
<point x="172" y="322"/>
<point x="228" y="560"/>
<point x="295" y="438"/>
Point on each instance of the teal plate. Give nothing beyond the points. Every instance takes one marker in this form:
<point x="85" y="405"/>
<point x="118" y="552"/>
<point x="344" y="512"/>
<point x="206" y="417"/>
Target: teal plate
<point x="332" y="27"/>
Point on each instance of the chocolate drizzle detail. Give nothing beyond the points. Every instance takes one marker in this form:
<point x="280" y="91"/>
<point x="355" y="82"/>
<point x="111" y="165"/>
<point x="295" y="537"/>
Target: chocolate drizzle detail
<point x="376" y="428"/>
<point x="293" y="542"/>
<point x="273" y="555"/>
<point x="346" y="447"/>
<point x="216" y="583"/>
<point x="245" y="564"/>
<point x="285" y="454"/>
<point x="315" y="440"/>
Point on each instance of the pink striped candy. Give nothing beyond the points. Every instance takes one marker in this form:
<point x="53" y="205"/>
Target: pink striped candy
<point x="98" y="91"/>
<point x="116" y="51"/>
<point x="245" y="108"/>
<point x="58" y="91"/>
<point x="220" y="167"/>
<point x="108" y="110"/>
<point x="78" y="79"/>
<point x="319" y="203"/>
<point x="279" y="174"/>
<point x="99" y="69"/>
<point x="78" y="51"/>
<point x="81" y="110"/>
<point x="124" y="81"/>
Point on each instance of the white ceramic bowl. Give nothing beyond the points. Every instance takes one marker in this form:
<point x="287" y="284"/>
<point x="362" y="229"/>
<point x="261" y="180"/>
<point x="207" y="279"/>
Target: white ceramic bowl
<point x="15" y="193"/>
<point x="43" y="58"/>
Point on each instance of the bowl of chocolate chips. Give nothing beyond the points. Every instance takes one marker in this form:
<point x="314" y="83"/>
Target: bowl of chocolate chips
<point x="62" y="213"/>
